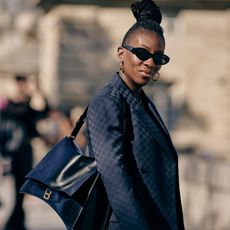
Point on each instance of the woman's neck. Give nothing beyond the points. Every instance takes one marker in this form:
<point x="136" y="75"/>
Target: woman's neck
<point x="135" y="90"/>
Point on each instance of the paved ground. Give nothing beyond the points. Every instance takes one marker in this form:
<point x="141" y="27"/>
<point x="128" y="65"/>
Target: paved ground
<point x="39" y="215"/>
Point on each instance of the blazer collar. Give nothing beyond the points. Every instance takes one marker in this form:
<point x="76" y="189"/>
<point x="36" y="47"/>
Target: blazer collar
<point x="117" y="83"/>
<point x="143" y="118"/>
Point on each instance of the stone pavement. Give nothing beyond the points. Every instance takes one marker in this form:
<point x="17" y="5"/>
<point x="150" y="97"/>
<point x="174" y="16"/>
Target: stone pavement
<point x="39" y="216"/>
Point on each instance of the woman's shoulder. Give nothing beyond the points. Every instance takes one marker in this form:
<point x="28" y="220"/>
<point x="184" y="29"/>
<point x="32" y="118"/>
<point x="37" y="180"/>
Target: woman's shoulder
<point x="107" y="95"/>
<point x="109" y="91"/>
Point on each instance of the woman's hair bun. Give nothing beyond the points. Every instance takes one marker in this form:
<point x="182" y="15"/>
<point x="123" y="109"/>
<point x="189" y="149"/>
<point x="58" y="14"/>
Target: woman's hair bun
<point x="146" y="9"/>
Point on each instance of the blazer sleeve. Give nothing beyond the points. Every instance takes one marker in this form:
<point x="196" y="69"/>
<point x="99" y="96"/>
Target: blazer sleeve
<point x="105" y="120"/>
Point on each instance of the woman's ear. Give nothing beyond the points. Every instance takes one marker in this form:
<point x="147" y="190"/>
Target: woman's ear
<point x="120" y="53"/>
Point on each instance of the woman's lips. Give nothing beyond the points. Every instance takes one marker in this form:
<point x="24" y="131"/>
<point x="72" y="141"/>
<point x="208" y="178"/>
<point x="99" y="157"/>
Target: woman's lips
<point x="146" y="74"/>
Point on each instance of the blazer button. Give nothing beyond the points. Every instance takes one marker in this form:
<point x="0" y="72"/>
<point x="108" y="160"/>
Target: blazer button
<point x="143" y="170"/>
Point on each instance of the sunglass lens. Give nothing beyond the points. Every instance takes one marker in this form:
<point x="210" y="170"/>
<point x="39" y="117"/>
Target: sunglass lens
<point x="165" y="59"/>
<point x="142" y="53"/>
<point x="160" y="59"/>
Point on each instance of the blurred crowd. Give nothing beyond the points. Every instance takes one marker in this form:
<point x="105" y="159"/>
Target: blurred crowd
<point x="24" y="117"/>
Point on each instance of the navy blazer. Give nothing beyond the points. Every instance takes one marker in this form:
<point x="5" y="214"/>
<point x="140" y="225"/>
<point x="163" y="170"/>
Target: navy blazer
<point x="136" y="159"/>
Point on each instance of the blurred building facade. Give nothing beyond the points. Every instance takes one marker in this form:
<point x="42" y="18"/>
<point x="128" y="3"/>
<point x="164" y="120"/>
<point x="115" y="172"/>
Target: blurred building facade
<point x="69" y="49"/>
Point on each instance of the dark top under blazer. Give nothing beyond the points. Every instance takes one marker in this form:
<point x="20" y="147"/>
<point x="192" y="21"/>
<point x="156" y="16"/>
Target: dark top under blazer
<point x="136" y="159"/>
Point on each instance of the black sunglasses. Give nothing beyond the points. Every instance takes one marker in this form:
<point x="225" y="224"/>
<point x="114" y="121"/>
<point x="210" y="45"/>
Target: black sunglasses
<point x="143" y="54"/>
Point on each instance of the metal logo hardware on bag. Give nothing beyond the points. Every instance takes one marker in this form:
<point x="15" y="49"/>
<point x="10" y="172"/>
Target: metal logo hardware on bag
<point x="47" y="194"/>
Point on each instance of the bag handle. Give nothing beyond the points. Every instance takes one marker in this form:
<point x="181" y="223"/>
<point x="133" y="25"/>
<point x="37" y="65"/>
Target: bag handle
<point x="78" y="125"/>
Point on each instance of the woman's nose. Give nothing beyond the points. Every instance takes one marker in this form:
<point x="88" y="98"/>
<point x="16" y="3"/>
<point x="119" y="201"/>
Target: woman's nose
<point x="150" y="63"/>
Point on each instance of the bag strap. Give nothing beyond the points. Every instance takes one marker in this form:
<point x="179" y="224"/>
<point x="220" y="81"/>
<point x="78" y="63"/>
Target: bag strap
<point x="78" y="125"/>
<point x="82" y="119"/>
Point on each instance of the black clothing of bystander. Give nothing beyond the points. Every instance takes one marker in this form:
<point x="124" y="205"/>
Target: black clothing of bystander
<point x="17" y="128"/>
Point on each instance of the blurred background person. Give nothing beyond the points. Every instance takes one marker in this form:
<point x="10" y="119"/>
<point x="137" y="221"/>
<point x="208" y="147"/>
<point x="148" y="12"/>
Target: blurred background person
<point x="56" y="126"/>
<point x="18" y="119"/>
<point x="59" y="123"/>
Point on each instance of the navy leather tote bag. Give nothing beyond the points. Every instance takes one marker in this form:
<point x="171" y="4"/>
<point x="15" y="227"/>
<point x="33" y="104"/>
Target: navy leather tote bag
<point x="69" y="182"/>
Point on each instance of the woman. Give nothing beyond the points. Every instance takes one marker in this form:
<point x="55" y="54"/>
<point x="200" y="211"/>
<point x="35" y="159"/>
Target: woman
<point x="132" y="147"/>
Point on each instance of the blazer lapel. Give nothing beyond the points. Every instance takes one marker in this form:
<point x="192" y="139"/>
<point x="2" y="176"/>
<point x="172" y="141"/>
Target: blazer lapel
<point x="143" y="117"/>
<point x="154" y="111"/>
<point x="147" y="123"/>
<point x="161" y="122"/>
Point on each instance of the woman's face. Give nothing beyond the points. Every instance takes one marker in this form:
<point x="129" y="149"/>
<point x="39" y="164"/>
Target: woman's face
<point x="138" y="73"/>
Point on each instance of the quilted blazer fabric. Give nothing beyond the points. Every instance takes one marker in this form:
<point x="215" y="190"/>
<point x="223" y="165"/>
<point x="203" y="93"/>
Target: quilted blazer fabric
<point x="136" y="159"/>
